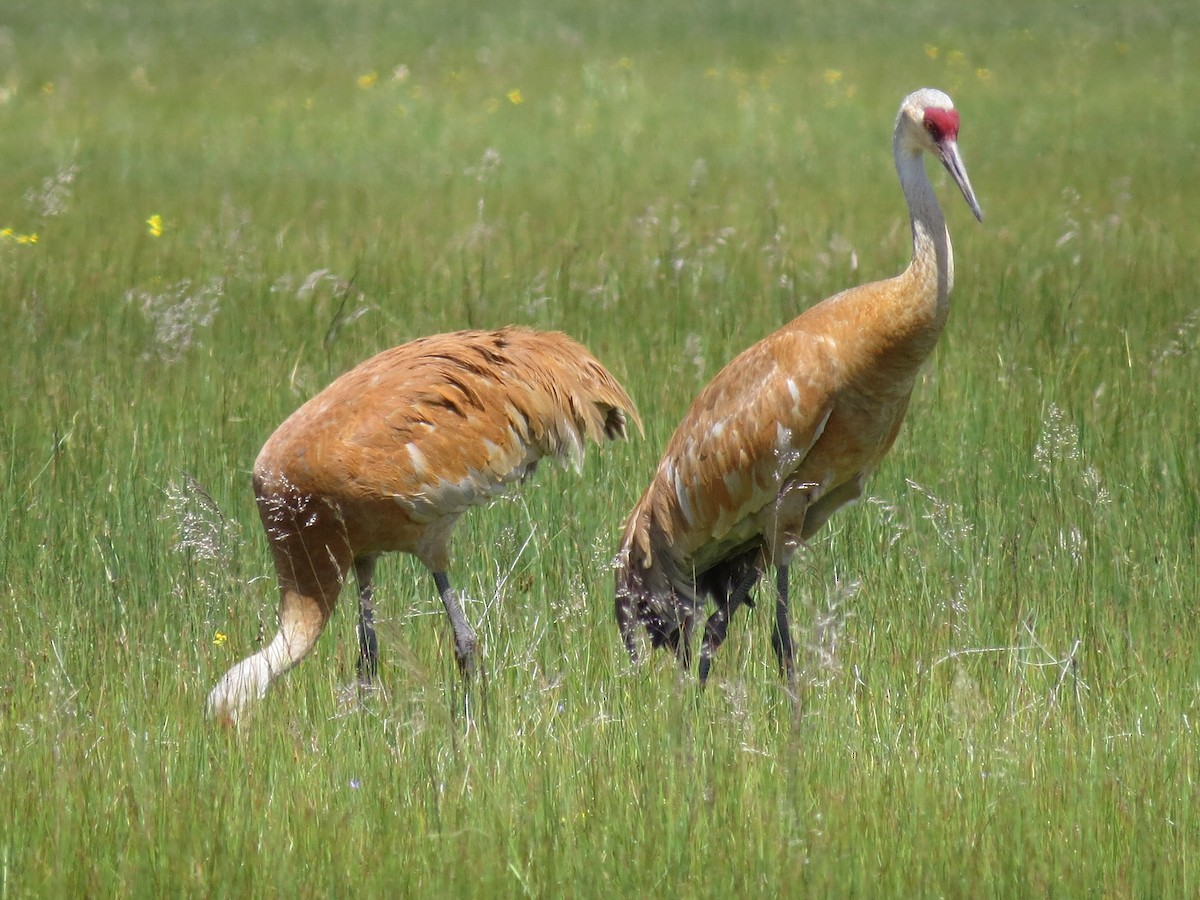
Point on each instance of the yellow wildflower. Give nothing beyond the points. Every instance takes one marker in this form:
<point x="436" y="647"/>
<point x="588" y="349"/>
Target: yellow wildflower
<point x="832" y="76"/>
<point x="931" y="51"/>
<point x="154" y="225"/>
<point x="514" y="97"/>
<point x="220" y="638"/>
<point x="368" y="80"/>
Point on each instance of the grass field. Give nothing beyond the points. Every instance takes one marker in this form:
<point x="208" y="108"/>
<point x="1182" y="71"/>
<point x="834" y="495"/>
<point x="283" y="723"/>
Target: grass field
<point x="212" y="209"/>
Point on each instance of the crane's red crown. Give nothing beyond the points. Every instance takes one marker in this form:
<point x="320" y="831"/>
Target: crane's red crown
<point x="941" y="123"/>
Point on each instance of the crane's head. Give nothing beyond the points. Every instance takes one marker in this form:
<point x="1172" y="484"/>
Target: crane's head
<point x="928" y="122"/>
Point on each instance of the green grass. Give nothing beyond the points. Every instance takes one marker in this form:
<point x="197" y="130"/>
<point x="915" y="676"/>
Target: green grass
<point x="999" y="647"/>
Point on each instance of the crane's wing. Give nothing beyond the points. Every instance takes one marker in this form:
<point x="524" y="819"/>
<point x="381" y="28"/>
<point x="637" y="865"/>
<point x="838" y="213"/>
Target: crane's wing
<point x="746" y="435"/>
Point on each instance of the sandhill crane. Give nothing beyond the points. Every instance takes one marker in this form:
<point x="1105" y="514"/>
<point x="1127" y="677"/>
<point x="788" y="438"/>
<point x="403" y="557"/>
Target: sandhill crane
<point x="790" y="430"/>
<point x="388" y="457"/>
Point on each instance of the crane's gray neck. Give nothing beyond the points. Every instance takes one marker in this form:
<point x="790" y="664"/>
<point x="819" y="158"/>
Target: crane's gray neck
<point x="932" y="263"/>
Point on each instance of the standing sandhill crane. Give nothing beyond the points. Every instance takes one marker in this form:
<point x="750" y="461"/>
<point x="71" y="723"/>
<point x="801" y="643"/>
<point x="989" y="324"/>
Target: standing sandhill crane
<point x="790" y="430"/>
<point x="391" y="454"/>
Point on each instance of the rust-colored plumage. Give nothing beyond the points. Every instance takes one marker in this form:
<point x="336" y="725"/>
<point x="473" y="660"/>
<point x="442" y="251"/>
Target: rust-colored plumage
<point x="790" y="430"/>
<point x="391" y="454"/>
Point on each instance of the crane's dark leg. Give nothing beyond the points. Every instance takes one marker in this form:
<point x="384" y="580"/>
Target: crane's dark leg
<point x="368" y="646"/>
<point x="680" y="640"/>
<point x="717" y="625"/>
<point x="465" y="643"/>
<point x="781" y="636"/>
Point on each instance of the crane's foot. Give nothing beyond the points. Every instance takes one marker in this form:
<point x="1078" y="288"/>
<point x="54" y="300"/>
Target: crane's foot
<point x="466" y="654"/>
<point x="368" y="656"/>
<point x="368" y="644"/>
<point x="781" y="634"/>
<point x="784" y="653"/>
<point x="715" y="630"/>
<point x="355" y="696"/>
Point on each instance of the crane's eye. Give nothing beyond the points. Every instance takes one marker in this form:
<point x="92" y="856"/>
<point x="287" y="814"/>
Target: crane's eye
<point x="935" y="130"/>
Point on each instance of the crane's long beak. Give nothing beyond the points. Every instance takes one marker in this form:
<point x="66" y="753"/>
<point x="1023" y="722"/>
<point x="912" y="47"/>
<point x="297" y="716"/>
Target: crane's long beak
<point x="948" y="154"/>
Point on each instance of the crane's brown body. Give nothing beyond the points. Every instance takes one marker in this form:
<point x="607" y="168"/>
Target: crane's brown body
<point x="790" y="429"/>
<point x="392" y="453"/>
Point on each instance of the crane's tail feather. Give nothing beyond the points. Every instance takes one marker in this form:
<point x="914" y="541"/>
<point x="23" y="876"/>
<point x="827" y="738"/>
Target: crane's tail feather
<point x="658" y="594"/>
<point x="615" y="423"/>
<point x="600" y="407"/>
<point x="571" y="398"/>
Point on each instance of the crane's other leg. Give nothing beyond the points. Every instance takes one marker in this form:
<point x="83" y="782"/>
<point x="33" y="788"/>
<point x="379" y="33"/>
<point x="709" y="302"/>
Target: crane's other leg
<point x="717" y="626"/>
<point x="679" y="642"/>
<point x="781" y="635"/>
<point x="368" y="645"/>
<point x="465" y="643"/>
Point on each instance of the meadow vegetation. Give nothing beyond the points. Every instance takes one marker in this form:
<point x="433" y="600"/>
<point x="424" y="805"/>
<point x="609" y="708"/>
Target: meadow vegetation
<point x="211" y="209"/>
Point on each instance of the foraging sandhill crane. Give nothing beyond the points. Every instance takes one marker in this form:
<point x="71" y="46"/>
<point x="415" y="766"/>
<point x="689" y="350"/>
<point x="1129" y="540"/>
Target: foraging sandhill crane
<point x="790" y="430"/>
<point x="388" y="457"/>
